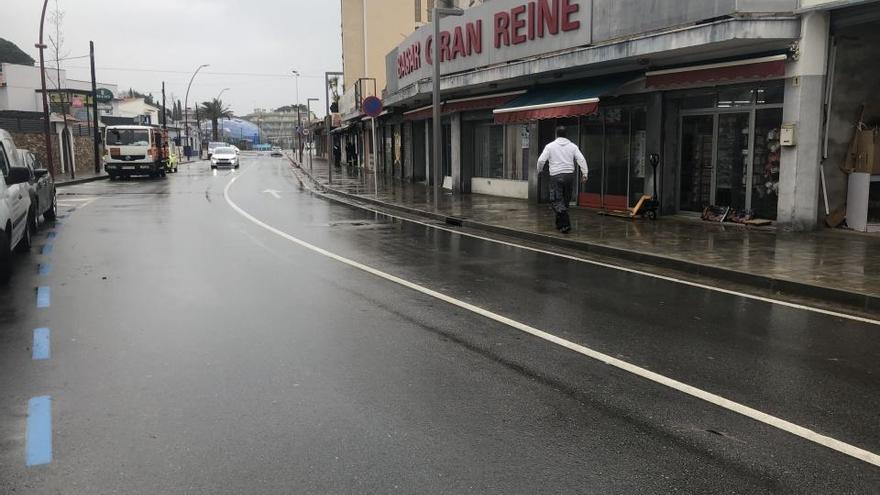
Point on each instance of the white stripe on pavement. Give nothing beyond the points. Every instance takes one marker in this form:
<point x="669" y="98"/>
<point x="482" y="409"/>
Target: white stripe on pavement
<point x="717" y="400"/>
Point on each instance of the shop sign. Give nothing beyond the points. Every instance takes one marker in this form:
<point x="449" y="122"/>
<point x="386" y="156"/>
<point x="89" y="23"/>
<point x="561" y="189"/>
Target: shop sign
<point x="495" y="32"/>
<point x="104" y="95"/>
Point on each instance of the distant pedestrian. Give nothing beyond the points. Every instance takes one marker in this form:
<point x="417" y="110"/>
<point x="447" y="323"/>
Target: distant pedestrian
<point x="349" y="153"/>
<point x="563" y="156"/>
<point x="337" y="154"/>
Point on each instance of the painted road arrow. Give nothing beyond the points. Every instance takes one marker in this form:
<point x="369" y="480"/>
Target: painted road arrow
<point x="273" y="192"/>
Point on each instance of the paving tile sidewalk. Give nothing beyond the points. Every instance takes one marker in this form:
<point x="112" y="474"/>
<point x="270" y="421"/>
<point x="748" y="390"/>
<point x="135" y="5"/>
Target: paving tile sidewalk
<point x="823" y="264"/>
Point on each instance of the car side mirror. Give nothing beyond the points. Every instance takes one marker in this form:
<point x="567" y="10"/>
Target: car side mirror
<point x="17" y="175"/>
<point x="40" y="172"/>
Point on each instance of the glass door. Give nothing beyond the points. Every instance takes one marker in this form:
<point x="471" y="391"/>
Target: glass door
<point x="697" y="162"/>
<point x="731" y="166"/>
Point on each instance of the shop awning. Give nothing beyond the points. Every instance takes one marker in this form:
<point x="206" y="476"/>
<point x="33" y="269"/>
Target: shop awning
<point x="724" y="72"/>
<point x="485" y="102"/>
<point x="560" y="100"/>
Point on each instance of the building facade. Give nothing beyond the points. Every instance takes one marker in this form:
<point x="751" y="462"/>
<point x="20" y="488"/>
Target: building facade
<point x="726" y="98"/>
<point x="370" y="28"/>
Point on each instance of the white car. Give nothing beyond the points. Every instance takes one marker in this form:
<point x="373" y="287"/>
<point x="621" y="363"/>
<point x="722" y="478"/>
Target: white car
<point x="16" y="212"/>
<point x="213" y="145"/>
<point x="224" y="157"/>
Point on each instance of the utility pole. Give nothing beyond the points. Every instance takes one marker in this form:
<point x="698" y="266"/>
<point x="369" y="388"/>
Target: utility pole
<point x="95" y="120"/>
<point x="328" y="126"/>
<point x="164" y="110"/>
<point x="47" y="131"/>
<point x="186" y="114"/>
<point x="298" y="119"/>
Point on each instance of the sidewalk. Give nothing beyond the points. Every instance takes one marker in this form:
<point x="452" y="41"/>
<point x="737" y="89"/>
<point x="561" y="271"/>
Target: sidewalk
<point x="62" y="180"/>
<point x="833" y="266"/>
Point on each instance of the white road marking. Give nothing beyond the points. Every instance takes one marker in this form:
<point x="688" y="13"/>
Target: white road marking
<point x="77" y="202"/>
<point x="770" y="300"/>
<point x="273" y="192"/>
<point x="684" y="388"/>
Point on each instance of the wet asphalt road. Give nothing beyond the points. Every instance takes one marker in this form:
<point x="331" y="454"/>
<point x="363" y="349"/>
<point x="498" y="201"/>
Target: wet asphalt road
<point x="194" y="351"/>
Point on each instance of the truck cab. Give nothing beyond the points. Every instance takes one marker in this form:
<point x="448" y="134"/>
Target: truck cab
<point x="135" y="150"/>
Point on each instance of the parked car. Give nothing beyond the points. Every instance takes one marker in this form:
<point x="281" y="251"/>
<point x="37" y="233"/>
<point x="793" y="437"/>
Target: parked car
<point x="224" y="157"/>
<point x="17" y="216"/>
<point x="213" y="145"/>
<point x="42" y="185"/>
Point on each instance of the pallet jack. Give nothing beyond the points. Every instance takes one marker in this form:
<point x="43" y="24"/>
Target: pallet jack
<point x="648" y="206"/>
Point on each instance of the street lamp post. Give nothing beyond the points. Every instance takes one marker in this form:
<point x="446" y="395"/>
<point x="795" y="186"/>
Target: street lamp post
<point x="309" y="116"/>
<point x="439" y="13"/>
<point x="47" y="132"/>
<point x="221" y="93"/>
<point x="186" y="111"/>
<point x="298" y="118"/>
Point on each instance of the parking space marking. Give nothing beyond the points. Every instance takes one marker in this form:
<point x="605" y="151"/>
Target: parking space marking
<point x="41" y="348"/>
<point x="38" y="438"/>
<point x="44" y="297"/>
<point x="47" y="249"/>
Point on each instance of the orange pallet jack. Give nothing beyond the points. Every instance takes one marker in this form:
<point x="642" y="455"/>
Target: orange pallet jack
<point x="648" y="206"/>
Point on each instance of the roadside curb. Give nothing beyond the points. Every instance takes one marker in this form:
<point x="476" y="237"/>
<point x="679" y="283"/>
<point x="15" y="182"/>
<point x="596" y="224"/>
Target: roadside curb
<point x="81" y="181"/>
<point x="863" y="302"/>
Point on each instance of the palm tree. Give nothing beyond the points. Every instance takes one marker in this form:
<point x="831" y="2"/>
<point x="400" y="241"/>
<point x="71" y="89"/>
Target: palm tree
<point x="215" y="110"/>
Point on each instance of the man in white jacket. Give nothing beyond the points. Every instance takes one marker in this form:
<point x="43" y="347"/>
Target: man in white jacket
<point x="562" y="155"/>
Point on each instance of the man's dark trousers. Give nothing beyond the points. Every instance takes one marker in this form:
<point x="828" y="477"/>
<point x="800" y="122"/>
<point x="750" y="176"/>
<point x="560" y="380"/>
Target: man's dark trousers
<point x="561" y="189"/>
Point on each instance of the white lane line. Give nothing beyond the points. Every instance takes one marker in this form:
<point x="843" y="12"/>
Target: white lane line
<point x="717" y="400"/>
<point x="770" y="300"/>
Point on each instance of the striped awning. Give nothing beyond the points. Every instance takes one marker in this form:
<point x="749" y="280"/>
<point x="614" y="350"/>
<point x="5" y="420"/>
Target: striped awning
<point x="560" y="100"/>
<point x="723" y="72"/>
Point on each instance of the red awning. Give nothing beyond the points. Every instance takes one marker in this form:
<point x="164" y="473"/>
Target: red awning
<point x="554" y="112"/>
<point x="488" y="102"/>
<point x="739" y="70"/>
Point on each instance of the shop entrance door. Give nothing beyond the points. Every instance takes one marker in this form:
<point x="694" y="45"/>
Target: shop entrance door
<point x="697" y="162"/>
<point x="715" y="151"/>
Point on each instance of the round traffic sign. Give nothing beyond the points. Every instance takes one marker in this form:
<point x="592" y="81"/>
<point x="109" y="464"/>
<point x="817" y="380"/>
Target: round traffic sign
<point x="372" y="106"/>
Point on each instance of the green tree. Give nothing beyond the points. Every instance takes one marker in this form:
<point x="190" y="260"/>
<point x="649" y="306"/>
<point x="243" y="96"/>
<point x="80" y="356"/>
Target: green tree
<point x="214" y="110"/>
<point x="12" y="54"/>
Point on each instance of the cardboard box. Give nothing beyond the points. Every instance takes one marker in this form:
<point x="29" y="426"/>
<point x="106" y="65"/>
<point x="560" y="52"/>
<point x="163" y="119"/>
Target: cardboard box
<point x="862" y="157"/>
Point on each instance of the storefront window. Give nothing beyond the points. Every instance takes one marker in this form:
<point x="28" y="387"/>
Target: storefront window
<point x="617" y="147"/>
<point x="733" y="153"/>
<point x="446" y="171"/>
<point x="489" y="151"/>
<point x="592" y="138"/>
<point x="765" y="174"/>
<point x="771" y="94"/>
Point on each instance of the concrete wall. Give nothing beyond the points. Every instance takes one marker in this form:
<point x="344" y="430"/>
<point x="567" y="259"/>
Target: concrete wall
<point x="855" y="82"/>
<point x="35" y="142"/>
<point x="500" y="187"/>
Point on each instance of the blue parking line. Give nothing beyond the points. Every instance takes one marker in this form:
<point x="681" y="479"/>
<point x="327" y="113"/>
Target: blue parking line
<point x="44" y="297"/>
<point x="45" y="268"/>
<point x="51" y="234"/>
<point x="38" y="443"/>
<point x="41" y="349"/>
<point x="47" y="249"/>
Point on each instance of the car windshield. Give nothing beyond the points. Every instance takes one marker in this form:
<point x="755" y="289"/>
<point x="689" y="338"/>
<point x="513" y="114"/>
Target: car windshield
<point x="223" y="151"/>
<point x="128" y="137"/>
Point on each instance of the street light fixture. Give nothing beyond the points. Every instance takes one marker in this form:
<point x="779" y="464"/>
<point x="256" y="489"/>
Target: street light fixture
<point x="221" y="92"/>
<point x="298" y="117"/>
<point x="186" y="111"/>
<point x="309" y="116"/>
<point x="439" y="13"/>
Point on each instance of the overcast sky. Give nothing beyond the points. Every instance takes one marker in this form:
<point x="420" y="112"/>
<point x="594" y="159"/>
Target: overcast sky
<point x="139" y="44"/>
